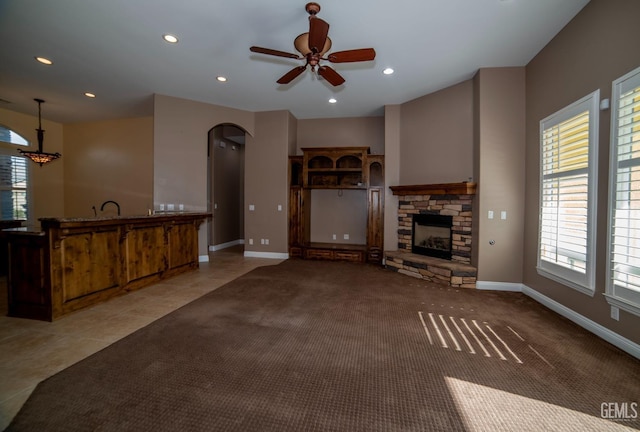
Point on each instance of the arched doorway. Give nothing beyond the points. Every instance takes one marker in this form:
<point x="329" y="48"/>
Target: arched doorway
<point x="226" y="186"/>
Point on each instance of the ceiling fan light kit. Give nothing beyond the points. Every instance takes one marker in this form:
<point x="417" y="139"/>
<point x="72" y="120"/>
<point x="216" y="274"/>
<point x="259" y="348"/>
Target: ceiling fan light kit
<point x="313" y="47"/>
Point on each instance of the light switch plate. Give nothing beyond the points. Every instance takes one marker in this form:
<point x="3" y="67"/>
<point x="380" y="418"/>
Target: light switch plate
<point x="503" y="215"/>
<point x="252" y="207"/>
<point x="490" y="214"/>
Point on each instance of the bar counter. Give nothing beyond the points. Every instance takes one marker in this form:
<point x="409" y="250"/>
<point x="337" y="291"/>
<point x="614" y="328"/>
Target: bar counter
<point x="72" y="263"/>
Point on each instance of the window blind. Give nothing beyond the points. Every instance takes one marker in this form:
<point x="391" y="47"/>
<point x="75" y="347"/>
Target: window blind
<point x="565" y="192"/>
<point x="624" y="266"/>
<point x="13" y="187"/>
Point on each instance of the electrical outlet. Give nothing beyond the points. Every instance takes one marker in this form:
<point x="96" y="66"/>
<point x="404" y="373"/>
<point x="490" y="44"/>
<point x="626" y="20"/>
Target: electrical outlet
<point x="346" y="236"/>
<point x="490" y="214"/>
<point x="250" y="241"/>
<point x="279" y="207"/>
<point x="335" y="236"/>
<point x="615" y="313"/>
<point x="252" y="207"/>
<point x="503" y="215"/>
<point x="261" y="241"/>
<point x="266" y="241"/>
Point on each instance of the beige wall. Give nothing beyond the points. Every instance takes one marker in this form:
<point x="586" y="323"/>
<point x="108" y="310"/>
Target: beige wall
<point x="342" y="132"/>
<point x="108" y="160"/>
<point x="47" y="186"/>
<point x="392" y="115"/>
<point x="339" y="212"/>
<point x="266" y="188"/>
<point x="499" y="140"/>
<point x="180" y="130"/>
<point x="436" y="137"/>
<point x="599" y="45"/>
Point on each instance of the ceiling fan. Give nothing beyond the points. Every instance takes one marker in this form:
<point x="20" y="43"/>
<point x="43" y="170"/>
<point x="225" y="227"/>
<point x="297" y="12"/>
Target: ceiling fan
<point x="313" y="46"/>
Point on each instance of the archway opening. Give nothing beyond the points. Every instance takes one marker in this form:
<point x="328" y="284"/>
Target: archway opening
<point x="226" y="151"/>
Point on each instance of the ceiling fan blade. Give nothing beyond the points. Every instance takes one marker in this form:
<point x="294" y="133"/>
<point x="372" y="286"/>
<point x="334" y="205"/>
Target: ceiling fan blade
<point x="272" y="52"/>
<point x="318" y="32"/>
<point x="356" y="55"/>
<point x="330" y="75"/>
<point x="289" y="76"/>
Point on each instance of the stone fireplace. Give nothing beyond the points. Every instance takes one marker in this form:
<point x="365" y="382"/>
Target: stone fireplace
<point x="440" y="210"/>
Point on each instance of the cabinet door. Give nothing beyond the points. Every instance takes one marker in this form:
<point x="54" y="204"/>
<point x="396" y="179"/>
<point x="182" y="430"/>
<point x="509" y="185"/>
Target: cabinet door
<point x="296" y="217"/>
<point x="375" y="225"/>
<point x="183" y="245"/>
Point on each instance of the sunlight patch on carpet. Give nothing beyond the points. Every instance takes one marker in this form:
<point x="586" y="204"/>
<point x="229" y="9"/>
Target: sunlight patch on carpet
<point x="476" y="337"/>
<point x="483" y="408"/>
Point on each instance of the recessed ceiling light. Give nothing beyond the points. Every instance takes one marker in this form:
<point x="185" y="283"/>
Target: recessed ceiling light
<point x="221" y="79"/>
<point x="333" y="100"/>
<point x="170" y="38"/>
<point x="44" y="60"/>
<point x="387" y="71"/>
<point x="90" y="95"/>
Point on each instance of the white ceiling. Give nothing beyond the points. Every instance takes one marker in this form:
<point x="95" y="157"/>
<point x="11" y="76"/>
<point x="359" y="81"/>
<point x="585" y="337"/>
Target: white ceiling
<point x="114" y="48"/>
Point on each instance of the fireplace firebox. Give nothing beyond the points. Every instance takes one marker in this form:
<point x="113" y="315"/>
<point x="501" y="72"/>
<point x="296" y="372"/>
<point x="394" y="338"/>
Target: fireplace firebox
<point x="431" y="235"/>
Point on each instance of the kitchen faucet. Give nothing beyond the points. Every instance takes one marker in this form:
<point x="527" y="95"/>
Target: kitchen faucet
<point x="110" y="201"/>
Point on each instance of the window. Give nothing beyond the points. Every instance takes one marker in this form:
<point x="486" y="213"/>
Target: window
<point x="12" y="137"/>
<point x="568" y="170"/>
<point x="13" y="187"/>
<point x="623" y="265"/>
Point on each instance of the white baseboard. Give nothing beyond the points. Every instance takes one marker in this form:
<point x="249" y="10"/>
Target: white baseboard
<point x="499" y="286"/>
<point x="213" y="248"/>
<point x="270" y="255"/>
<point x="203" y="258"/>
<point x="613" y="338"/>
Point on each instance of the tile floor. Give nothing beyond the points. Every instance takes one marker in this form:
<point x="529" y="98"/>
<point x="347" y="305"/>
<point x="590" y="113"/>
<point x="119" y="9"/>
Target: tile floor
<point x="31" y="351"/>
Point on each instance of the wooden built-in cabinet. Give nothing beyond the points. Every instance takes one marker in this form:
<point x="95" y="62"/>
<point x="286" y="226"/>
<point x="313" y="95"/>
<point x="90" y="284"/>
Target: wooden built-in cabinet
<point x="74" y="263"/>
<point x="336" y="168"/>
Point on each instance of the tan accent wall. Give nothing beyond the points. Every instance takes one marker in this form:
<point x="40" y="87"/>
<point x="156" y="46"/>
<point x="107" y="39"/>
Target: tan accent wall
<point x="500" y="132"/>
<point x="266" y="188"/>
<point x="108" y="160"/>
<point x="47" y="188"/>
<point x="436" y="137"/>
<point x="599" y="45"/>
<point x="180" y="130"/>
<point x="342" y="132"/>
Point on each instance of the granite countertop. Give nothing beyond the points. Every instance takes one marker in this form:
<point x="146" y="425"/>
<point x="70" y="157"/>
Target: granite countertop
<point x="124" y="218"/>
<point x="25" y="230"/>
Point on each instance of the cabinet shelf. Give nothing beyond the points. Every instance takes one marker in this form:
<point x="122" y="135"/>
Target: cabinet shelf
<point x="334" y="170"/>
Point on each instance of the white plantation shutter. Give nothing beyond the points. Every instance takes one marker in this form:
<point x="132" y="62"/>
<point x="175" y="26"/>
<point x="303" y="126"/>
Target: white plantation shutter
<point x="567" y="198"/>
<point x="623" y="280"/>
<point x="13" y="187"/>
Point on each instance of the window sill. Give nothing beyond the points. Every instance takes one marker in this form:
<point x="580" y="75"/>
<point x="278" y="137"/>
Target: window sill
<point x="625" y="305"/>
<point x="566" y="282"/>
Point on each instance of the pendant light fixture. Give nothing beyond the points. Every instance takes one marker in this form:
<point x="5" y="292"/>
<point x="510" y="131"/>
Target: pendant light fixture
<point x="39" y="156"/>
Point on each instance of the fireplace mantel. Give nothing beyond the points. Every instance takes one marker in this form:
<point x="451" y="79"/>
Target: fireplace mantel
<point x="464" y="188"/>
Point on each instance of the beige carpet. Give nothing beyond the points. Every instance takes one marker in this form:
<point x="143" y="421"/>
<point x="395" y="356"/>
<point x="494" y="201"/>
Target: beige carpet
<point x="325" y="346"/>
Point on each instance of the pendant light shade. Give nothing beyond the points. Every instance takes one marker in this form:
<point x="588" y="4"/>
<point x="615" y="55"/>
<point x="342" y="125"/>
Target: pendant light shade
<point x="39" y="156"/>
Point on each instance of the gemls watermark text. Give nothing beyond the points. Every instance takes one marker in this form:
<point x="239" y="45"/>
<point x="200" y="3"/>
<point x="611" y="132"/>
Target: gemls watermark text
<point x="619" y="411"/>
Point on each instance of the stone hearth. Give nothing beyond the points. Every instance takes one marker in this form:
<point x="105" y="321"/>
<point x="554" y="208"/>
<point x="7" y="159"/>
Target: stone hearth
<point x="451" y="199"/>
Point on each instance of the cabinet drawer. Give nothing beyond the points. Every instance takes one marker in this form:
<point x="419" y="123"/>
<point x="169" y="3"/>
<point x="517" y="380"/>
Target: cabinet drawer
<point x="317" y="254"/>
<point x="348" y="256"/>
